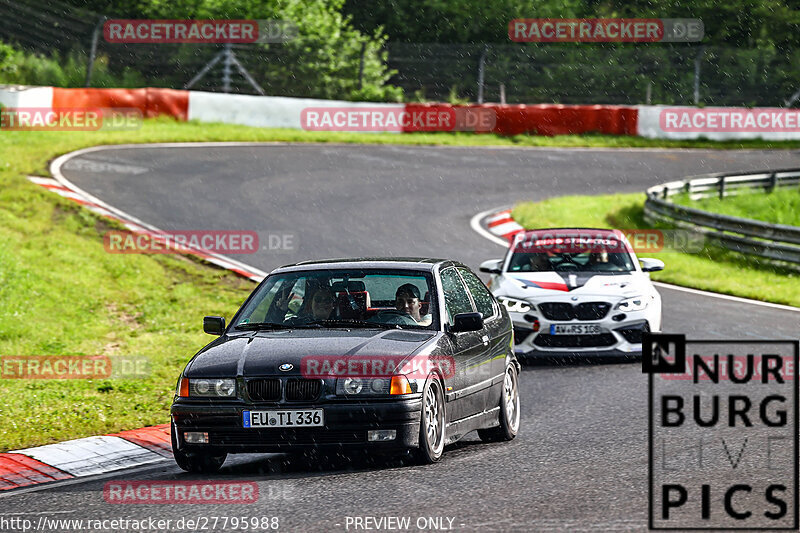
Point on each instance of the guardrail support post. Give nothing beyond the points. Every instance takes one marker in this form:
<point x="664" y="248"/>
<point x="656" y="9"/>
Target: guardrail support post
<point x="773" y="182"/>
<point x="721" y="187"/>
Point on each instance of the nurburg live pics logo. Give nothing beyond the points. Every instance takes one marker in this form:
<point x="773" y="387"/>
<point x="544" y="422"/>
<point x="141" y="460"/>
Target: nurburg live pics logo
<point x="723" y="433"/>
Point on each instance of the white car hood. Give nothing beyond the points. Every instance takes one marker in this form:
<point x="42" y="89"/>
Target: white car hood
<point x="553" y="284"/>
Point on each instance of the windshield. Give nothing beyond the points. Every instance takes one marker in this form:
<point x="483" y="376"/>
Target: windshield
<point x="566" y="252"/>
<point x="571" y="262"/>
<point x="571" y="251"/>
<point x="343" y="298"/>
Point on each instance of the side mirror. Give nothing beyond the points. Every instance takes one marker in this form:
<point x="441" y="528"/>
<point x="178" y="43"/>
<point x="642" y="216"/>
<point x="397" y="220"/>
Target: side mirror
<point x="467" y="322"/>
<point x="492" y="266"/>
<point x="651" y="265"/>
<point x="213" y="325"/>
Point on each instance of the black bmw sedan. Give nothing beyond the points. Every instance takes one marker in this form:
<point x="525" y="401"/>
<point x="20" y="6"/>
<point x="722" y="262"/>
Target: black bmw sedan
<point x="384" y="354"/>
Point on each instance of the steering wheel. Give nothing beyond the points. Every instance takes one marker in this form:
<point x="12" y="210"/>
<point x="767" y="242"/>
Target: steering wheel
<point x="393" y="316"/>
<point x="566" y="267"/>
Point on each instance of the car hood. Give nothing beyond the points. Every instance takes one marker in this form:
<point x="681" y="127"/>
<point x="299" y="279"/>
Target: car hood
<point x="535" y="284"/>
<point x="261" y="353"/>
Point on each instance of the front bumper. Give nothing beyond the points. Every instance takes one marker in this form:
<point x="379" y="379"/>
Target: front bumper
<point x="346" y="426"/>
<point x="620" y="338"/>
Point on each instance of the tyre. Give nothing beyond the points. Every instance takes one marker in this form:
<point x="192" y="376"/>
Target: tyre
<point x="431" y="424"/>
<point x="198" y="462"/>
<point x="509" y="411"/>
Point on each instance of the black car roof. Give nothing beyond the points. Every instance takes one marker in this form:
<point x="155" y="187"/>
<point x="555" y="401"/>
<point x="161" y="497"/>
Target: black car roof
<point x="426" y="264"/>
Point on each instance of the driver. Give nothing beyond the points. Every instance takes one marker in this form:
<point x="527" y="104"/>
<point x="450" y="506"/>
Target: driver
<point x="406" y="300"/>
<point x="318" y="305"/>
<point x="599" y="260"/>
<point x="322" y="304"/>
<point x="539" y="261"/>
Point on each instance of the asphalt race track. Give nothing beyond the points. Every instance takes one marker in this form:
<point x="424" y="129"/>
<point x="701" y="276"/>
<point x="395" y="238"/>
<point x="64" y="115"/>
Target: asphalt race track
<point x="579" y="462"/>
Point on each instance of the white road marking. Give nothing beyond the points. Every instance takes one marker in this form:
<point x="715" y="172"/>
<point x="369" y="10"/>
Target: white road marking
<point x="103" y="166"/>
<point x="217" y="259"/>
<point x="726" y="297"/>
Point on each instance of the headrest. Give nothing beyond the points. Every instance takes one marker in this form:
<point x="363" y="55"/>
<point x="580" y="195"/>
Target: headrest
<point x="352" y="286"/>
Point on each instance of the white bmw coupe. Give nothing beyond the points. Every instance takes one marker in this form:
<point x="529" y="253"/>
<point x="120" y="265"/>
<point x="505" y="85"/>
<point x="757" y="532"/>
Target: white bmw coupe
<point x="576" y="292"/>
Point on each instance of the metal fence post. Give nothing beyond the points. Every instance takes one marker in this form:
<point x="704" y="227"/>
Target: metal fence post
<point x="226" y="69"/>
<point x="481" y="65"/>
<point x="697" y="60"/>
<point x="93" y="50"/>
<point x="721" y="187"/>
<point x="361" y="66"/>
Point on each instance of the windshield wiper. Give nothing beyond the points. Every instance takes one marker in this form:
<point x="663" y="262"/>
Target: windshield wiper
<point x="353" y="323"/>
<point x="262" y="325"/>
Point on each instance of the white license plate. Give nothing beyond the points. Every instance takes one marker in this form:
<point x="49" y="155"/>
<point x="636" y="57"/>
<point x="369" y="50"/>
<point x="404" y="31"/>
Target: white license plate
<point x="283" y="419"/>
<point x="575" y="329"/>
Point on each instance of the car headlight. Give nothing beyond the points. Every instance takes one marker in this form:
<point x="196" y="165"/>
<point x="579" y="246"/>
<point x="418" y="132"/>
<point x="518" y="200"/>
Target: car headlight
<point x="211" y="388"/>
<point x="514" y="305"/>
<point x="637" y="303"/>
<point x="373" y="386"/>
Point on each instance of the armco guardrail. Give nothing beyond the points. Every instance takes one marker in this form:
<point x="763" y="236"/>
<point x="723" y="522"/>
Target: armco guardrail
<point x="753" y="237"/>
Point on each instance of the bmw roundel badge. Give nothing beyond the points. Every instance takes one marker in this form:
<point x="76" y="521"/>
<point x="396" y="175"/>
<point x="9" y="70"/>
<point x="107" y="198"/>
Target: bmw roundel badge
<point x="285" y="367"/>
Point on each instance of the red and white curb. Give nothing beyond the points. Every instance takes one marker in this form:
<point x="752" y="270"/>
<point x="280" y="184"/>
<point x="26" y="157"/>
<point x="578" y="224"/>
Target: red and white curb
<point x="496" y="225"/>
<point x="503" y="225"/>
<point x="84" y="457"/>
<point x="136" y="226"/>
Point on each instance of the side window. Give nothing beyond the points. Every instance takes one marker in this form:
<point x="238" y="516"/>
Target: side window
<point x="456" y="299"/>
<point x="483" y="300"/>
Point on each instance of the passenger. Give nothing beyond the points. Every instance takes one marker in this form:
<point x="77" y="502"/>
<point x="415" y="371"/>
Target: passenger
<point x="407" y="300"/>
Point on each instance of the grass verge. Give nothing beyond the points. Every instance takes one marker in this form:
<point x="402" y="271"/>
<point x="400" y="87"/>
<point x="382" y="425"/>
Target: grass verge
<point x="713" y="269"/>
<point x="62" y="294"/>
<point x="781" y="206"/>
